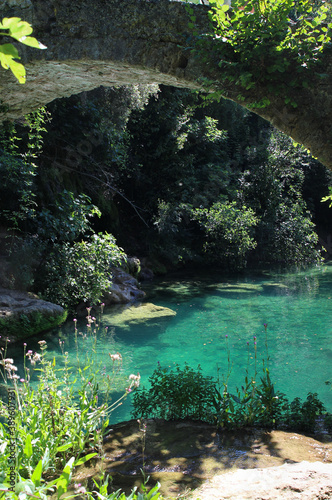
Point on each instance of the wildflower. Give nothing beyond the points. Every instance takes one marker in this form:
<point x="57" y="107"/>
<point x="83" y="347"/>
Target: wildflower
<point x="115" y="357"/>
<point x="226" y="336"/>
<point x="79" y="489"/>
<point x="35" y="358"/>
<point x="42" y="342"/>
<point x="75" y="320"/>
<point x="134" y="382"/>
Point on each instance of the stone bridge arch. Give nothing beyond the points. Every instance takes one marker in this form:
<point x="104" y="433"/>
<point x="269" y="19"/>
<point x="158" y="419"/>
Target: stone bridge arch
<point x="117" y="42"/>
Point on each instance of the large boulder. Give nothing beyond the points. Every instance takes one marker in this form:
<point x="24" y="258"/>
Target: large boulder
<point x="23" y="314"/>
<point x="124" y="289"/>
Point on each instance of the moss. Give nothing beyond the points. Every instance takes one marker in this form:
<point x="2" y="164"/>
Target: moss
<point x="25" y="325"/>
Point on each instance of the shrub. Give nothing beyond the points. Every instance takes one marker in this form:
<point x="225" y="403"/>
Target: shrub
<point x="302" y="416"/>
<point x="228" y="230"/>
<point x="81" y="272"/>
<point x="176" y="394"/>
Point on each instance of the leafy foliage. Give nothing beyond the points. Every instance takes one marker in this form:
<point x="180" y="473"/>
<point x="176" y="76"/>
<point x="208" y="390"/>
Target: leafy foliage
<point x="20" y="30"/>
<point x="272" y="43"/>
<point x="58" y="417"/>
<point x="176" y="394"/>
<point x="80" y="272"/>
<point x="228" y="231"/>
<point x="187" y="393"/>
<point x="273" y="187"/>
<point x="328" y="198"/>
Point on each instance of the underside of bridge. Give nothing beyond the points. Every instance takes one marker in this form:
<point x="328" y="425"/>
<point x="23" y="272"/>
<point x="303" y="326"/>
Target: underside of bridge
<point x="112" y="42"/>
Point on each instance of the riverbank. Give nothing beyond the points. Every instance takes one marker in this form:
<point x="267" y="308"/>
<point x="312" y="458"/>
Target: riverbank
<point x="193" y="459"/>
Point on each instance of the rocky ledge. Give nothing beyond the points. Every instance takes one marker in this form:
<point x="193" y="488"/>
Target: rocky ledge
<point x="23" y="314"/>
<point x="291" y="481"/>
<point x="187" y="456"/>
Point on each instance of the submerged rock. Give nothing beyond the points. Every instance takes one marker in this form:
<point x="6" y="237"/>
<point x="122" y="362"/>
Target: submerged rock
<point x="137" y="314"/>
<point x="23" y="314"/>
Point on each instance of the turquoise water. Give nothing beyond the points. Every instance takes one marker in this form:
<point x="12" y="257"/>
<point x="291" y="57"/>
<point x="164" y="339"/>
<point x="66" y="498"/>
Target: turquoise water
<point x="297" y="307"/>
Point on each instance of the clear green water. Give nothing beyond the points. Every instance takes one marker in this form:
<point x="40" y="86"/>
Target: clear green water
<point x="296" y="306"/>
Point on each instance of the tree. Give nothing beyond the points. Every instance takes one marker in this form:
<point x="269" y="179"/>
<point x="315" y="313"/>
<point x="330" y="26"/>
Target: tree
<point x="275" y="44"/>
<point x="20" y="30"/>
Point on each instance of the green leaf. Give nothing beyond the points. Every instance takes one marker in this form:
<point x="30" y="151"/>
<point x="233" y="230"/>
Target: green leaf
<point x="36" y="476"/>
<point x="63" y="481"/>
<point x="32" y="42"/>
<point x="18" y="71"/>
<point x="64" y="447"/>
<point x="82" y="460"/>
<point x="28" y="447"/>
<point x="8" y="54"/>
<point x="17" y="28"/>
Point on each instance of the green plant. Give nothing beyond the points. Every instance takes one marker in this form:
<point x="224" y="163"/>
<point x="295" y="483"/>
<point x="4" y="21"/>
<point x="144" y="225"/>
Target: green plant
<point x="20" y="30"/>
<point x="101" y="491"/>
<point x="176" y="394"/>
<point x="80" y="272"/>
<point x="270" y="43"/>
<point x="66" y="219"/>
<point x="328" y="198"/>
<point x="303" y="416"/>
<point x="57" y="418"/>
<point x="35" y="487"/>
<point x="228" y="230"/>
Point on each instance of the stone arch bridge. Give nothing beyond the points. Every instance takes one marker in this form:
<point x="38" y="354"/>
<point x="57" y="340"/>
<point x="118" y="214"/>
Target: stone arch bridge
<point x="117" y="42"/>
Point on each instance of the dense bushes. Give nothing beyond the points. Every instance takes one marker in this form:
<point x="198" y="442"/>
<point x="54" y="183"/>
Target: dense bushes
<point x="187" y="393"/>
<point x="80" y="272"/>
<point x="175" y="181"/>
<point x="178" y="394"/>
<point x="228" y="233"/>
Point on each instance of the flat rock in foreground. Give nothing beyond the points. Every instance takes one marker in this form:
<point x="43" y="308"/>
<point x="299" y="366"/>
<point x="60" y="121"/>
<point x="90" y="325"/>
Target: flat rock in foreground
<point x="237" y="465"/>
<point x="304" y="480"/>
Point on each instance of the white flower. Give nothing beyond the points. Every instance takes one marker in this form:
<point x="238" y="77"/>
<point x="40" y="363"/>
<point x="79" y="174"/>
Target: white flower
<point x="115" y="357"/>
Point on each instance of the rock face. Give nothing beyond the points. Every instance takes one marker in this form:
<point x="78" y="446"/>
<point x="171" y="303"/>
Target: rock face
<point x="22" y="314"/>
<point x="124" y="289"/>
<point x="303" y="481"/>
